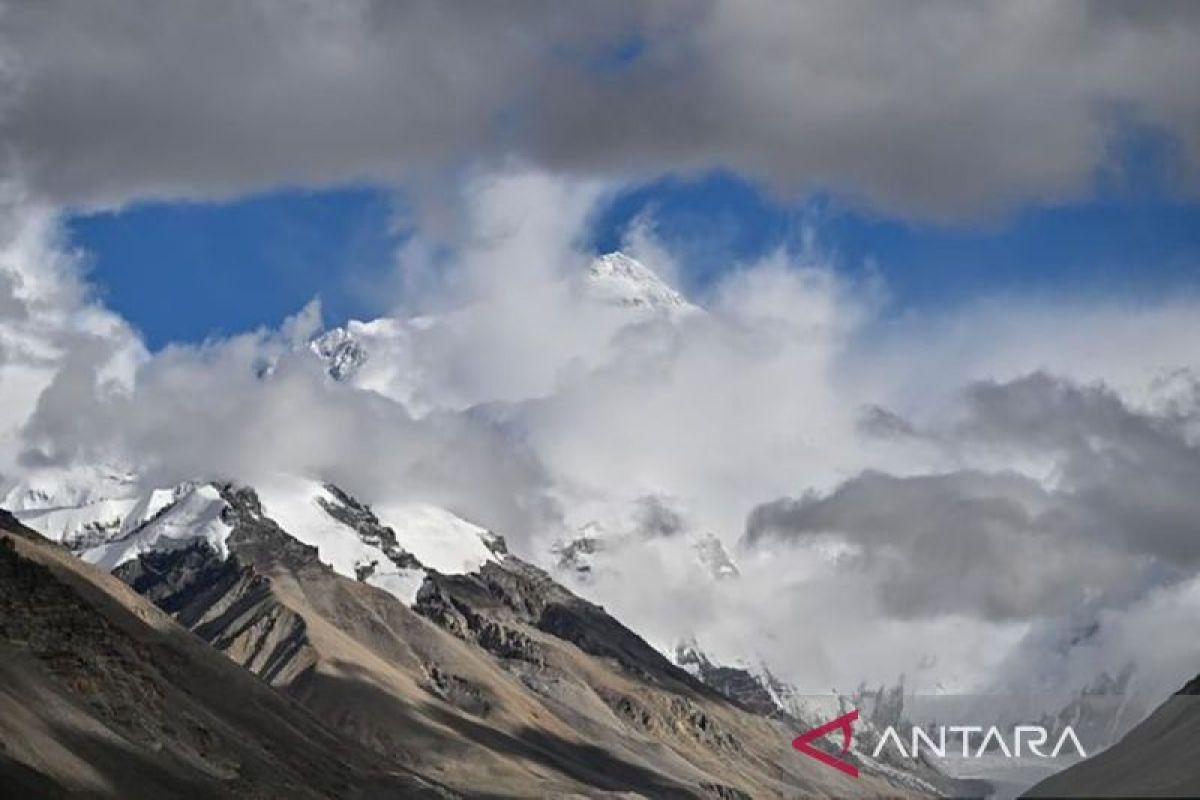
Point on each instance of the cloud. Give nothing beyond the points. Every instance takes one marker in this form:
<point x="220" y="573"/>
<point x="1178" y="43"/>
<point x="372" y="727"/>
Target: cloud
<point x="980" y="513"/>
<point x="894" y="518"/>
<point x="921" y="108"/>
<point x="1089" y="525"/>
<point x="48" y="319"/>
<point x="980" y="509"/>
<point x="1115" y="500"/>
<point x="958" y="543"/>
<point x="657" y="518"/>
<point x="80" y="390"/>
<point x="249" y="407"/>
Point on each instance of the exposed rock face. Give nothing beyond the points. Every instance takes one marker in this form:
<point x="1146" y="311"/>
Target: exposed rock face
<point x="227" y="604"/>
<point x="354" y="514"/>
<point x="574" y="555"/>
<point x="712" y="554"/>
<point x="734" y="682"/>
<point x="763" y="693"/>
<point x="343" y="353"/>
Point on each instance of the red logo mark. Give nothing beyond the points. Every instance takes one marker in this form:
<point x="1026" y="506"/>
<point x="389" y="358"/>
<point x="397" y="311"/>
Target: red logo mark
<point x="844" y="723"/>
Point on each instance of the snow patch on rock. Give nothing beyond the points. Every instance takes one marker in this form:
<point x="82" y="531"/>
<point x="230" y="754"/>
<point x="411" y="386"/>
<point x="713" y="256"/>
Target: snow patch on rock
<point x="436" y="538"/>
<point x="196" y="514"/>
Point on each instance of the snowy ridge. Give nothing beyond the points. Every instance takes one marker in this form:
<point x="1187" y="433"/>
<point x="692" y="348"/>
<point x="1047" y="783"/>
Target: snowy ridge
<point x="195" y="515"/>
<point x="44" y="489"/>
<point x="86" y="524"/>
<point x="391" y="547"/>
<point x="438" y="539"/>
<point x="84" y="508"/>
<point x="301" y="507"/>
<point x="107" y="518"/>
<point x="617" y="279"/>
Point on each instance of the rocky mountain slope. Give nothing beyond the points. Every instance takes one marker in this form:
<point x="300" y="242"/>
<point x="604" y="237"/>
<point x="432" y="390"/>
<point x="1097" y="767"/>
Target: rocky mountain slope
<point x="411" y="634"/>
<point x="102" y="695"/>
<point x="489" y="678"/>
<point x="1155" y="759"/>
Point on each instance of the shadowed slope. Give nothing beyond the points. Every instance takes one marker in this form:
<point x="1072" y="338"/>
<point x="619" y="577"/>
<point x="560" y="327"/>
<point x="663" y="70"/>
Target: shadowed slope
<point x="102" y="695"/>
<point x="1158" y="758"/>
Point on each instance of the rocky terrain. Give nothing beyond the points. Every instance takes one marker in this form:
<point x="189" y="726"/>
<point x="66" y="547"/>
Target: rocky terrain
<point x="494" y="681"/>
<point x="102" y="695"/>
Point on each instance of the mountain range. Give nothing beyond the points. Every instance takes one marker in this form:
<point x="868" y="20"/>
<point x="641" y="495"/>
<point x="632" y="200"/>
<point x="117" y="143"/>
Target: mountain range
<point x="238" y="661"/>
<point x="281" y="637"/>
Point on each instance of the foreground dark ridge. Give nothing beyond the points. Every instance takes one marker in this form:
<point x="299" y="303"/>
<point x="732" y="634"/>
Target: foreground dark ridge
<point x="1158" y="758"/>
<point x="103" y="695"/>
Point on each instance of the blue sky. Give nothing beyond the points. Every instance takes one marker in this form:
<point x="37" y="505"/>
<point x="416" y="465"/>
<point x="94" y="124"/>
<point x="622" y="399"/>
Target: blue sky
<point x="186" y="271"/>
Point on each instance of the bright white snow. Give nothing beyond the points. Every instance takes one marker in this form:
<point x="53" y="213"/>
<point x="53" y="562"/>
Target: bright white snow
<point x="403" y="584"/>
<point x="618" y="279"/>
<point x="67" y="523"/>
<point x="295" y="504"/>
<point x="440" y="540"/>
<point x="437" y="538"/>
<point x="70" y="507"/>
<point x="195" y="516"/>
<point x="109" y="519"/>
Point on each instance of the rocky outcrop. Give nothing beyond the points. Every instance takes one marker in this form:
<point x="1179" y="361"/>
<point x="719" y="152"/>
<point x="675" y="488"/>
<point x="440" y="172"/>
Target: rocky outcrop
<point x="229" y="605"/>
<point x="363" y="521"/>
<point x="736" y="683"/>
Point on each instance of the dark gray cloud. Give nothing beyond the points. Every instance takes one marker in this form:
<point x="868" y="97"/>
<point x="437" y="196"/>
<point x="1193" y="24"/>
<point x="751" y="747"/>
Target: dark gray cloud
<point x="1119" y="510"/>
<point x="919" y="107"/>
<point x="1131" y="474"/>
<point x="963" y="542"/>
<point x="656" y="517"/>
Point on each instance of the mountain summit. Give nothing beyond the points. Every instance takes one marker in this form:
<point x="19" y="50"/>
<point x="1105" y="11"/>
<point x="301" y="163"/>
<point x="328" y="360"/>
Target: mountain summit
<point x="620" y="280"/>
<point x="414" y="360"/>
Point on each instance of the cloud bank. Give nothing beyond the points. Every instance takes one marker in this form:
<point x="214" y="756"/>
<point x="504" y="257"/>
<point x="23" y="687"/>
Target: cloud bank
<point x="919" y="108"/>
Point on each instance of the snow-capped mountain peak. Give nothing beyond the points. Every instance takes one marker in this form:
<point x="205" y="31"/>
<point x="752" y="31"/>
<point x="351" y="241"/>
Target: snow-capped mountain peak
<point x="401" y="357"/>
<point x="617" y="279"/>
